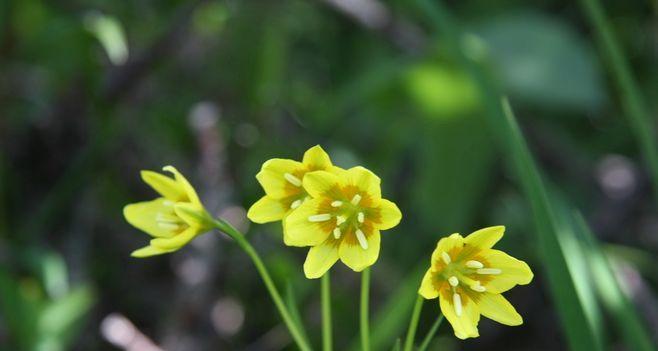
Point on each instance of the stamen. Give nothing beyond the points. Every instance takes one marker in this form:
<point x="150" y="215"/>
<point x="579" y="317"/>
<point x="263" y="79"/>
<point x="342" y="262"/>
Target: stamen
<point x="337" y="203"/>
<point x="337" y="233"/>
<point x="340" y="220"/>
<point x="362" y="239"/>
<point x="489" y="271"/>
<point x="356" y="199"/>
<point x="168" y="226"/>
<point x="296" y="204"/>
<point x="453" y="281"/>
<point x="457" y="301"/>
<point x="474" y="264"/>
<point x="360" y="217"/>
<point x="292" y="179"/>
<point x="167" y="203"/>
<point x="445" y="257"/>
<point x="477" y="287"/>
<point x="160" y="217"/>
<point x="319" y="217"/>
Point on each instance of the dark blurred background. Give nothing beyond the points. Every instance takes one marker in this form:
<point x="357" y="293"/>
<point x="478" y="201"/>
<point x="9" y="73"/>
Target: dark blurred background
<point x="93" y="91"/>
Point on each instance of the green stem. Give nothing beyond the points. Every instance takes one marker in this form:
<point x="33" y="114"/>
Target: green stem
<point x="326" y="312"/>
<point x="239" y="238"/>
<point x="365" y="297"/>
<point x="413" y="324"/>
<point x="430" y="334"/>
<point x="632" y="100"/>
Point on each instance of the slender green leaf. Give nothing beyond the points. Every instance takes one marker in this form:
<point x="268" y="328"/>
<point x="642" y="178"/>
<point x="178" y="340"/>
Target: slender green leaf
<point x="291" y="303"/>
<point x="624" y="314"/>
<point x="631" y="99"/>
<point x="570" y="299"/>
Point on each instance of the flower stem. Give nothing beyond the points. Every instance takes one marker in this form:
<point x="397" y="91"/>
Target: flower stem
<point x="365" y="297"/>
<point x="413" y="324"/>
<point x="239" y="238"/>
<point x="326" y="312"/>
<point x="430" y="334"/>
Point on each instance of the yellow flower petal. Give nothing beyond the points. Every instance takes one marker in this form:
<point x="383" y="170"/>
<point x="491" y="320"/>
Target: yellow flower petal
<point x="427" y="289"/>
<point x="300" y="231"/>
<point x="389" y="215"/>
<point x="354" y="255"/>
<point x="148" y="251"/>
<point x="194" y="215"/>
<point x="513" y="271"/>
<point x="365" y="180"/>
<point x="320" y="258"/>
<point x="496" y="307"/>
<point x="465" y="325"/>
<point x="164" y="185"/>
<point x="142" y="216"/>
<point x="485" y="238"/>
<point x="267" y="210"/>
<point x="177" y="241"/>
<point x="446" y="246"/>
<point x="272" y="177"/>
<point x="316" y="159"/>
<point x="322" y="183"/>
<point x="189" y="190"/>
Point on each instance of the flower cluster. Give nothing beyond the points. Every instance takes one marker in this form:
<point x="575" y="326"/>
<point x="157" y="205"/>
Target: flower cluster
<point x="468" y="277"/>
<point x="338" y="213"/>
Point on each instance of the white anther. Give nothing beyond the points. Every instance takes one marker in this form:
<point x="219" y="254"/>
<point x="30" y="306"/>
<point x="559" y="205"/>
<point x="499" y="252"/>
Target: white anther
<point x="356" y="199"/>
<point x="474" y="264"/>
<point x="337" y="233"/>
<point x="362" y="239"/>
<point x="295" y="204"/>
<point x="457" y="301"/>
<point x="360" y="217"/>
<point x="489" y="271"/>
<point x="445" y="257"/>
<point x="453" y="281"/>
<point x="337" y="203"/>
<point x="292" y="179"/>
<point x="319" y="217"/>
<point x="168" y="226"/>
<point x="340" y="220"/>
<point x="160" y="217"/>
<point x="477" y="287"/>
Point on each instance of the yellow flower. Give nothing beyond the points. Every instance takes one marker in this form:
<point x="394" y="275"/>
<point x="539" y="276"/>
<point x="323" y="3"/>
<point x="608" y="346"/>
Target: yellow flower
<point x="282" y="181"/>
<point x="469" y="276"/>
<point x="342" y="220"/>
<point x="173" y="219"/>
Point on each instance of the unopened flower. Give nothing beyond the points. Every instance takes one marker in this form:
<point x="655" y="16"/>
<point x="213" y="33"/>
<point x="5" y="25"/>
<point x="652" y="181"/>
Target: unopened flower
<point x="468" y="277"/>
<point x="173" y="219"/>
<point x="282" y="181"/>
<point x="341" y="220"/>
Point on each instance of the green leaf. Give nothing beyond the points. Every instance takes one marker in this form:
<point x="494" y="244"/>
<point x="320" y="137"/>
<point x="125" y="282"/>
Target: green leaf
<point x="578" y="316"/>
<point x="624" y="315"/>
<point x="530" y="52"/>
<point x="61" y="318"/>
<point x="20" y="310"/>
<point x="291" y="303"/>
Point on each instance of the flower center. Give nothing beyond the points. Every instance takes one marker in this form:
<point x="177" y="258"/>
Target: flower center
<point x="458" y="273"/>
<point x="348" y="215"/>
<point x="168" y="220"/>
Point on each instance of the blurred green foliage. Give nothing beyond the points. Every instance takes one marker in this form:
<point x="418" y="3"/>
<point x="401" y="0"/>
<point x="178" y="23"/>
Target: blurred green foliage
<point x="93" y="91"/>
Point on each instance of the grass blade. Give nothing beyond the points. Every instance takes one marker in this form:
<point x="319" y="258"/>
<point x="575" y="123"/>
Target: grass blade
<point x="632" y="101"/>
<point x="624" y="314"/>
<point x="576" y="312"/>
